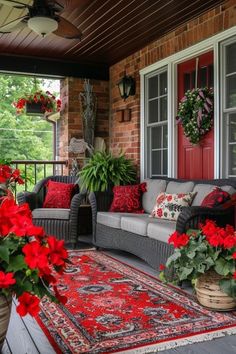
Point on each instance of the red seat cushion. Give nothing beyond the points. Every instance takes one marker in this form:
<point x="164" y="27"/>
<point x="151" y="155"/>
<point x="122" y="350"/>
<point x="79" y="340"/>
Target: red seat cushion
<point x="58" y="195"/>
<point x="127" y="199"/>
<point x="215" y="198"/>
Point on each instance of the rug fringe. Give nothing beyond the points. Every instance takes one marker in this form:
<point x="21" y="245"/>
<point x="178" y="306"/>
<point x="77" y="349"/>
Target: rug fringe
<point x="180" y="342"/>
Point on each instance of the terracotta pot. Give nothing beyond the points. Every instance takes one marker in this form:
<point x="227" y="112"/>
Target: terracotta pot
<point x="5" y="311"/>
<point x="210" y="295"/>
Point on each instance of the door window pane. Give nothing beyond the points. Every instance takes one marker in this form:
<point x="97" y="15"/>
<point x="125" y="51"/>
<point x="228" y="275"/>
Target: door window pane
<point x="203" y="77"/>
<point x="165" y="162"/>
<point x="231" y="91"/>
<point x="187" y="79"/>
<point x="153" y="111"/>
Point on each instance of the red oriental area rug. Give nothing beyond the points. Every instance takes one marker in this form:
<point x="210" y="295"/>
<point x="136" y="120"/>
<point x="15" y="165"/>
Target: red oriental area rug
<point x="115" y="308"/>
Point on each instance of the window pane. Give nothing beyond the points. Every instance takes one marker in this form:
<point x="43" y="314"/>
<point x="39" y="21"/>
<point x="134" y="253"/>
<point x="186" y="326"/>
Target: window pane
<point x="232" y="128"/>
<point x="193" y="77"/>
<point x="156" y="162"/>
<point x="231" y="91"/>
<point x="232" y="160"/>
<point x="165" y="136"/>
<point x="153" y="87"/>
<point x="186" y="82"/>
<point x="153" y="111"/>
<point x="156" y="137"/>
<point x="163" y="108"/>
<point x="210" y="76"/>
<point x="231" y="58"/>
<point x="165" y="162"/>
<point x="163" y="83"/>
<point x="203" y="77"/>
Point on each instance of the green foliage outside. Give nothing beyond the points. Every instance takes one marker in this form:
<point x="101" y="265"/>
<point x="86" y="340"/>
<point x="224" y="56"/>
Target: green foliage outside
<point x="23" y="137"/>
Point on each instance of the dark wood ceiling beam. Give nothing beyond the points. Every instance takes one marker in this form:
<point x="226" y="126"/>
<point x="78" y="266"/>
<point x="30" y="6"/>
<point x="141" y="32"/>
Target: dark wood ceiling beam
<point x="50" y="68"/>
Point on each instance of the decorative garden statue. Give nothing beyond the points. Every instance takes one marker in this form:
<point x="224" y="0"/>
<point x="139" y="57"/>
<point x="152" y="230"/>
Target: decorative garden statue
<point x="88" y="106"/>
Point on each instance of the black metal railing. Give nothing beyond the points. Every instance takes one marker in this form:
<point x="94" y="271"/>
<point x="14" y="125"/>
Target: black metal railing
<point x="34" y="170"/>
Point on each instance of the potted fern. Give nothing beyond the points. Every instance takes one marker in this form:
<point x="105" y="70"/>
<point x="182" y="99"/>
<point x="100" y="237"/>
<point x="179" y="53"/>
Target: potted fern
<point x="103" y="171"/>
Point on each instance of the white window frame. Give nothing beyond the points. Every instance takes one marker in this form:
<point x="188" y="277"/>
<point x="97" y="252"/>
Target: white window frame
<point x="225" y="112"/>
<point x="171" y="62"/>
<point x="154" y="124"/>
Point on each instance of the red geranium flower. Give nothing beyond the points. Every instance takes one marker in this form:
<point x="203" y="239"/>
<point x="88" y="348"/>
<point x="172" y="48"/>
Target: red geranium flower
<point x="36" y="255"/>
<point x="6" y="279"/>
<point x="28" y="304"/>
<point x="162" y="267"/>
<point x="61" y="298"/>
<point x="58" y="253"/>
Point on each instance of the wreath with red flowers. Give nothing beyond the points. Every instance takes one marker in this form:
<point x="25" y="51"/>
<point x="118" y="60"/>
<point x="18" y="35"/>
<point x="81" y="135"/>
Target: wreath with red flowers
<point x="195" y="113"/>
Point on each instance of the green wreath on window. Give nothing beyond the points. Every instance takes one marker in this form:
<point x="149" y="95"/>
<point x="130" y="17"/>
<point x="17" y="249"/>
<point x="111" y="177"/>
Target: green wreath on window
<point x="195" y="113"/>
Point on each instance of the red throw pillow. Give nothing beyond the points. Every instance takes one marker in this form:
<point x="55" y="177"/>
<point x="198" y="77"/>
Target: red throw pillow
<point x="58" y="195"/>
<point x="127" y="199"/>
<point x="215" y="198"/>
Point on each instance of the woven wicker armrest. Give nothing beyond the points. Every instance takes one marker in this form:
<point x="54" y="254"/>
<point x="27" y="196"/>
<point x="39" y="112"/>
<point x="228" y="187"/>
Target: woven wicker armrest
<point x="190" y="217"/>
<point x="27" y="197"/>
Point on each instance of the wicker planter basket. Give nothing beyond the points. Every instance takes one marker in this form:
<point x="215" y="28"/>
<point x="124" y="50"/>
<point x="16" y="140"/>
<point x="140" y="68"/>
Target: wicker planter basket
<point x="210" y="295"/>
<point x="5" y="311"/>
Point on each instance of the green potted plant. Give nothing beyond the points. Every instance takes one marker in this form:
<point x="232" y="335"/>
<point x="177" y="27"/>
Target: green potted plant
<point x="37" y="103"/>
<point x="207" y="258"/>
<point x="103" y="171"/>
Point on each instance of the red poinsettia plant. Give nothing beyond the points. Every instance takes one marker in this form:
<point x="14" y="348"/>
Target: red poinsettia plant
<point x="49" y="103"/>
<point x="29" y="259"/>
<point x="198" y="251"/>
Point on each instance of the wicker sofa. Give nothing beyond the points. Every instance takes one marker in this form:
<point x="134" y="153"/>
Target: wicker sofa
<point x="147" y="237"/>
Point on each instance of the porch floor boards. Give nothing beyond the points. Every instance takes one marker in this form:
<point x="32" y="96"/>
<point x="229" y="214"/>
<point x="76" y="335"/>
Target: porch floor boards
<point x="24" y="335"/>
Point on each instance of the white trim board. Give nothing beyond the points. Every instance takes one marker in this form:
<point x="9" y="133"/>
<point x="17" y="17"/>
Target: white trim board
<point x="211" y="43"/>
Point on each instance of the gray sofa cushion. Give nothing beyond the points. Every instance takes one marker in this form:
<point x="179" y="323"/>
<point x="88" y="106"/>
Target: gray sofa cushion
<point x="51" y="213"/>
<point x="161" y="229"/>
<point x="154" y="187"/>
<point x="136" y="225"/>
<point x="179" y="187"/>
<point x="202" y="190"/>
<point x="228" y="189"/>
<point x="111" y="219"/>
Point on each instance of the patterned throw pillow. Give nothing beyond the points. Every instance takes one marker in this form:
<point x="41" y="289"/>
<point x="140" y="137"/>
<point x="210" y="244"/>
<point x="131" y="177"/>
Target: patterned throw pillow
<point x="169" y="206"/>
<point x="127" y="199"/>
<point x="215" y="198"/>
<point x="59" y="195"/>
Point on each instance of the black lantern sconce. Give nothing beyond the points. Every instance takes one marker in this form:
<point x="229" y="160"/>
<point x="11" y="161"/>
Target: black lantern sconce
<point x="127" y="87"/>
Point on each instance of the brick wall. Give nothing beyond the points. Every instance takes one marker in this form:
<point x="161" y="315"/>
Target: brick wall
<point x="126" y="135"/>
<point x="71" y="121"/>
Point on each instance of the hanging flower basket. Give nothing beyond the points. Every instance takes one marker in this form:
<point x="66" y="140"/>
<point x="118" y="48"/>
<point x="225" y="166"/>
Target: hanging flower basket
<point x="195" y="113"/>
<point x="38" y="103"/>
<point x="34" y="108"/>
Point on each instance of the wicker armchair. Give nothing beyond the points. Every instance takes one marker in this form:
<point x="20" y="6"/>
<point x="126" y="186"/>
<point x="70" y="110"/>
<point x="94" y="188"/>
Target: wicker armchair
<point x="62" y="223"/>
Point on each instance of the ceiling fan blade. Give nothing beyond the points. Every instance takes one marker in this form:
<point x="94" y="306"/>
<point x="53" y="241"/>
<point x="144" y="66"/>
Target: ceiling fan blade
<point x="15" y="4"/>
<point x="14" y="25"/>
<point x="67" y="30"/>
<point x="58" y="7"/>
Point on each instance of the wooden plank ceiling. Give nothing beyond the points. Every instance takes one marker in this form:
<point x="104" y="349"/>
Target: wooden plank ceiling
<point x="111" y="30"/>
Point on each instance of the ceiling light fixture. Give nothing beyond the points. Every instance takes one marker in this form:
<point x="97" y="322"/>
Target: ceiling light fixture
<point x="42" y="25"/>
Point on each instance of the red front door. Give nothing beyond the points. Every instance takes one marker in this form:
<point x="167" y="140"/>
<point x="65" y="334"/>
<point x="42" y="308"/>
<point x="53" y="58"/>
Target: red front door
<point x="195" y="161"/>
